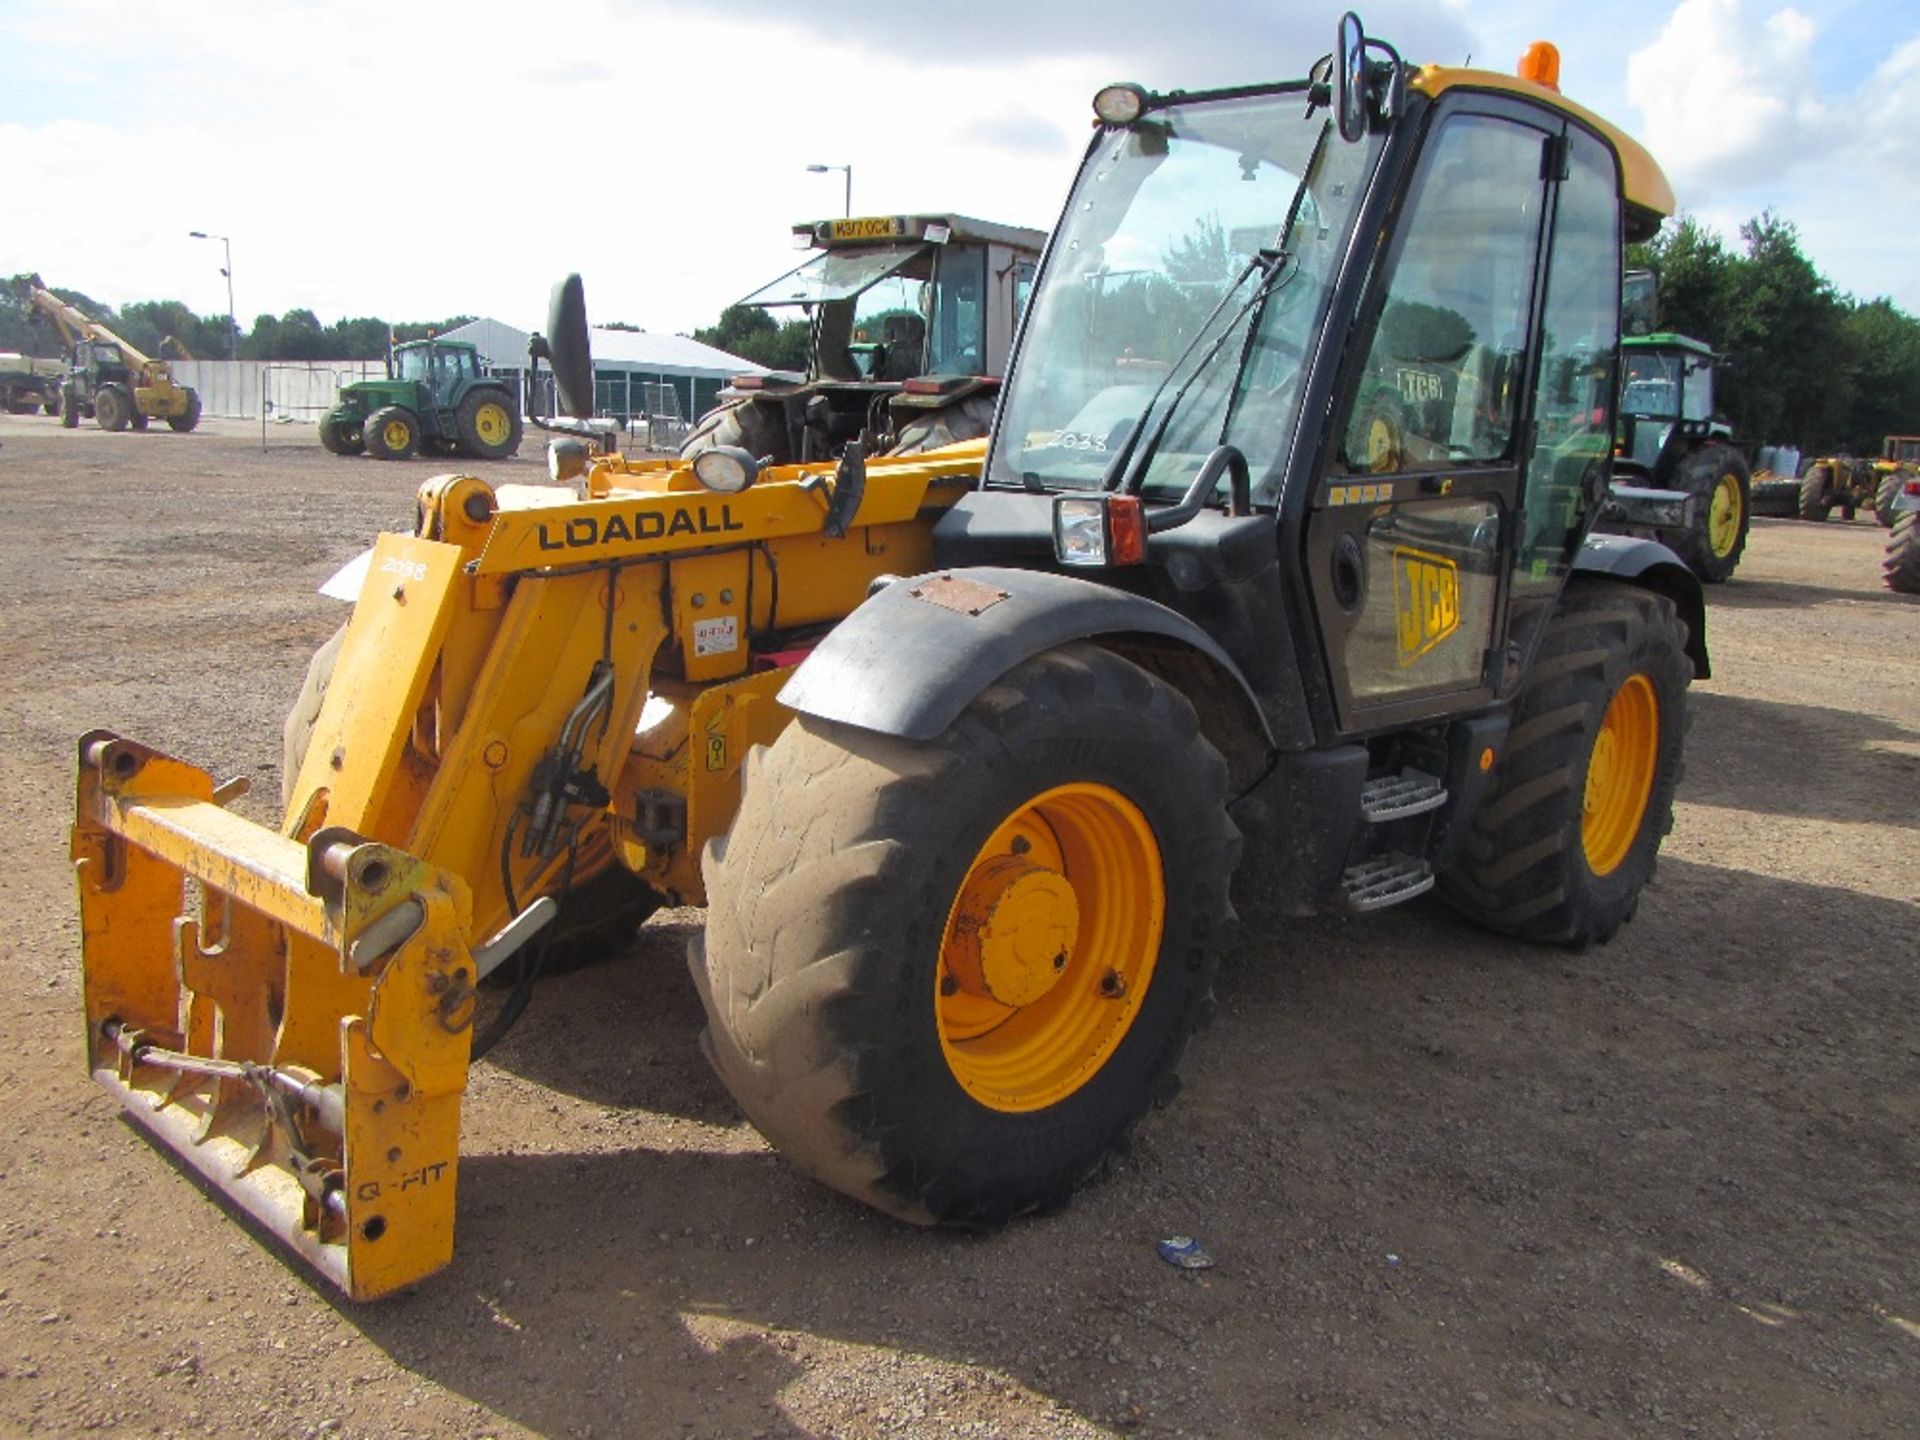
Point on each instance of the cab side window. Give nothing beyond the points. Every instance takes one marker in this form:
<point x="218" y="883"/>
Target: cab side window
<point x="1442" y="380"/>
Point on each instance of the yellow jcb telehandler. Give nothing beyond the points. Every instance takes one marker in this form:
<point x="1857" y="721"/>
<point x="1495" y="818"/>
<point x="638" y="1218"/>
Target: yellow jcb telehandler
<point x="1278" y="559"/>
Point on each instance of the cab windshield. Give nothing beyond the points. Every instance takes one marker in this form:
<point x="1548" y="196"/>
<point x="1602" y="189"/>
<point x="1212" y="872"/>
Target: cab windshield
<point x="1652" y="385"/>
<point x="1186" y="283"/>
<point x="411" y="364"/>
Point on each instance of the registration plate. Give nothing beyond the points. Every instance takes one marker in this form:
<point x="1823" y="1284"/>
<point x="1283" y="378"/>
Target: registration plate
<point x="884" y="227"/>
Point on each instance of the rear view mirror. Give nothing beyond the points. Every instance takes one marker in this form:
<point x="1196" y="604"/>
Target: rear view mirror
<point x="570" y="349"/>
<point x="1350" y="100"/>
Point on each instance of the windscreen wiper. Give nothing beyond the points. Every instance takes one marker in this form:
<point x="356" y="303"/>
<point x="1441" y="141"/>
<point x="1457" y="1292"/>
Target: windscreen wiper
<point x="1128" y="478"/>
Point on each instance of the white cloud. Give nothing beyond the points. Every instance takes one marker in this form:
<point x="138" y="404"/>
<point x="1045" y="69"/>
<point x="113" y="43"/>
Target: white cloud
<point x="1729" y="97"/>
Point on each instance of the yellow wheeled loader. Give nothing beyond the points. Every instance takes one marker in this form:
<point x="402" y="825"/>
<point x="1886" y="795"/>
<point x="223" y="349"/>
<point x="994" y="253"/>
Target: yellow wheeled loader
<point x="1271" y="564"/>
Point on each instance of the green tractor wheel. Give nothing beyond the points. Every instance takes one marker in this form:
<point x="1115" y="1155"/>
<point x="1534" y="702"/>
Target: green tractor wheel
<point x="391" y="433"/>
<point x="341" y="434"/>
<point x="488" y="424"/>
<point x="1716" y="477"/>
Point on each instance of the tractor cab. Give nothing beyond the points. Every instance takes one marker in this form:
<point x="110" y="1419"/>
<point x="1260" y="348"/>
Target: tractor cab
<point x="911" y="317"/>
<point x="1666" y="396"/>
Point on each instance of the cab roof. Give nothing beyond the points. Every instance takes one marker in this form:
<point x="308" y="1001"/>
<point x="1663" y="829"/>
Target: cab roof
<point x="1667" y="340"/>
<point x="1643" y="183"/>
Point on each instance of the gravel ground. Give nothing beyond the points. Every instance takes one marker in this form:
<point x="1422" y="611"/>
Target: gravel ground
<point x="1454" y="1185"/>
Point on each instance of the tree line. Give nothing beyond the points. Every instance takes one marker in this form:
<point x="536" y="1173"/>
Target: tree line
<point x="145" y="324"/>
<point x="1801" y="364"/>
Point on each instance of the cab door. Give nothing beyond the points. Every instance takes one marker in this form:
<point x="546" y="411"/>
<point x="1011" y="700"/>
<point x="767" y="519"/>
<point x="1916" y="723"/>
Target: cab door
<point x="1413" y="528"/>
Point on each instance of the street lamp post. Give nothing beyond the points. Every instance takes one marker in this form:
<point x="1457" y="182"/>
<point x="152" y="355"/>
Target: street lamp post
<point x="233" y="329"/>
<point x="823" y="169"/>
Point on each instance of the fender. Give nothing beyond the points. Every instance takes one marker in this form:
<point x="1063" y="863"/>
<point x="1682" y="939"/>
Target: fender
<point x="918" y="652"/>
<point x="1652" y="566"/>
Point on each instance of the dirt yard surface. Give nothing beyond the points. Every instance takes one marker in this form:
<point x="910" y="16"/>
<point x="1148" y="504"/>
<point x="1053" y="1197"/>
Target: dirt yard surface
<point x="1454" y="1185"/>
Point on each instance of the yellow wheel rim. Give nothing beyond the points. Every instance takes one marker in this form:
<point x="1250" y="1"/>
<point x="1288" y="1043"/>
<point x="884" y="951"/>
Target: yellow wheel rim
<point x="395" y="434"/>
<point x="492" y="424"/>
<point x="1620" y="775"/>
<point x="1050" y="947"/>
<point x="1723" y="518"/>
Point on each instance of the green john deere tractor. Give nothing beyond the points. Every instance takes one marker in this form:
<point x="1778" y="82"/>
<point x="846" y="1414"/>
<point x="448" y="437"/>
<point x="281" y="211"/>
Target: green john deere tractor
<point x="1677" y="476"/>
<point x="436" y="397"/>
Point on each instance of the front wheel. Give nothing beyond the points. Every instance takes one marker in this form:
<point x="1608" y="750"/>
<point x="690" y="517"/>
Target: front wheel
<point x="187" y="419"/>
<point x="1816" y="491"/>
<point x="1560" y="850"/>
<point x="112" y="407"/>
<point x="1901" y="567"/>
<point x="391" y="434"/>
<point x="1717" y="478"/>
<point x="947" y="977"/>
<point x="1887" y="492"/>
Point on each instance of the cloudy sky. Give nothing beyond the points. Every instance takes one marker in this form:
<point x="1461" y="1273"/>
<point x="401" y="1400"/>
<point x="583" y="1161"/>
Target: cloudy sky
<point x="420" y="159"/>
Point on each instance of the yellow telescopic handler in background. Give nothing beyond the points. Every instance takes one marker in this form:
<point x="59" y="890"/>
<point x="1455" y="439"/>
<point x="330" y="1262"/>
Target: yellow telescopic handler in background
<point x="1277" y="568"/>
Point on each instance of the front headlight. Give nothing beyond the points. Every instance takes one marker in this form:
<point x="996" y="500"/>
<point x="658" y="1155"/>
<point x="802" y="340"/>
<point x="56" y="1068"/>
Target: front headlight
<point x="1079" y="531"/>
<point x="725" y="469"/>
<point x="566" y="460"/>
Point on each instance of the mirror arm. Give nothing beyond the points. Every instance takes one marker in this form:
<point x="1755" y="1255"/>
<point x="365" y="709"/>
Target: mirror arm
<point x="1225" y="459"/>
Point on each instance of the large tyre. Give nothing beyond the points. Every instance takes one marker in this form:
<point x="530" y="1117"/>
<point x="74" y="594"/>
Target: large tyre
<point x="967" y="419"/>
<point x="1883" y="497"/>
<point x="752" y="426"/>
<point x="112" y="407"/>
<point x="186" y="420"/>
<point x="488" y="424"/>
<point x="601" y="913"/>
<point x="1816" y="492"/>
<point x="391" y="433"/>
<point x="948" y="977"/>
<point x="341" y="434"/>
<point x="1562" y="847"/>
<point x="1901" y="567"/>
<point x="69" y="409"/>
<point x="1717" y="478"/>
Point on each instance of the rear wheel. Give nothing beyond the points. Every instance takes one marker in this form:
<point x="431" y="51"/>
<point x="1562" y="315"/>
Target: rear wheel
<point x="1562" y="847"/>
<point x="948" y="976"/>
<point x="112" y="407"/>
<point x="1717" y="478"/>
<point x="391" y="433"/>
<point x="1901" y="568"/>
<point x="967" y="419"/>
<point x="754" y="427"/>
<point x="488" y="424"/>
<point x="185" y="421"/>
<point x="1816" y="492"/>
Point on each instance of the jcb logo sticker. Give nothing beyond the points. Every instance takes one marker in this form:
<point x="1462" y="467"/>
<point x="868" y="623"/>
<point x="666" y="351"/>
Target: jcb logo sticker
<point x="1426" y="593"/>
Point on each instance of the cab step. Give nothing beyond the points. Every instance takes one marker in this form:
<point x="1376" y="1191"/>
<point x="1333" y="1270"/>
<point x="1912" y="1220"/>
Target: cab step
<point x="1384" y="880"/>
<point x="1394" y="797"/>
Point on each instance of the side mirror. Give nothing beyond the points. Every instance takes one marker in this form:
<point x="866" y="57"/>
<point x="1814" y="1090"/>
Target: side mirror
<point x="570" y="349"/>
<point x="1350" y="100"/>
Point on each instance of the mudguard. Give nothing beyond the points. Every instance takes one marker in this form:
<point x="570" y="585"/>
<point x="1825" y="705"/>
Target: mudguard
<point x="917" y="652"/>
<point x="1652" y="566"/>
